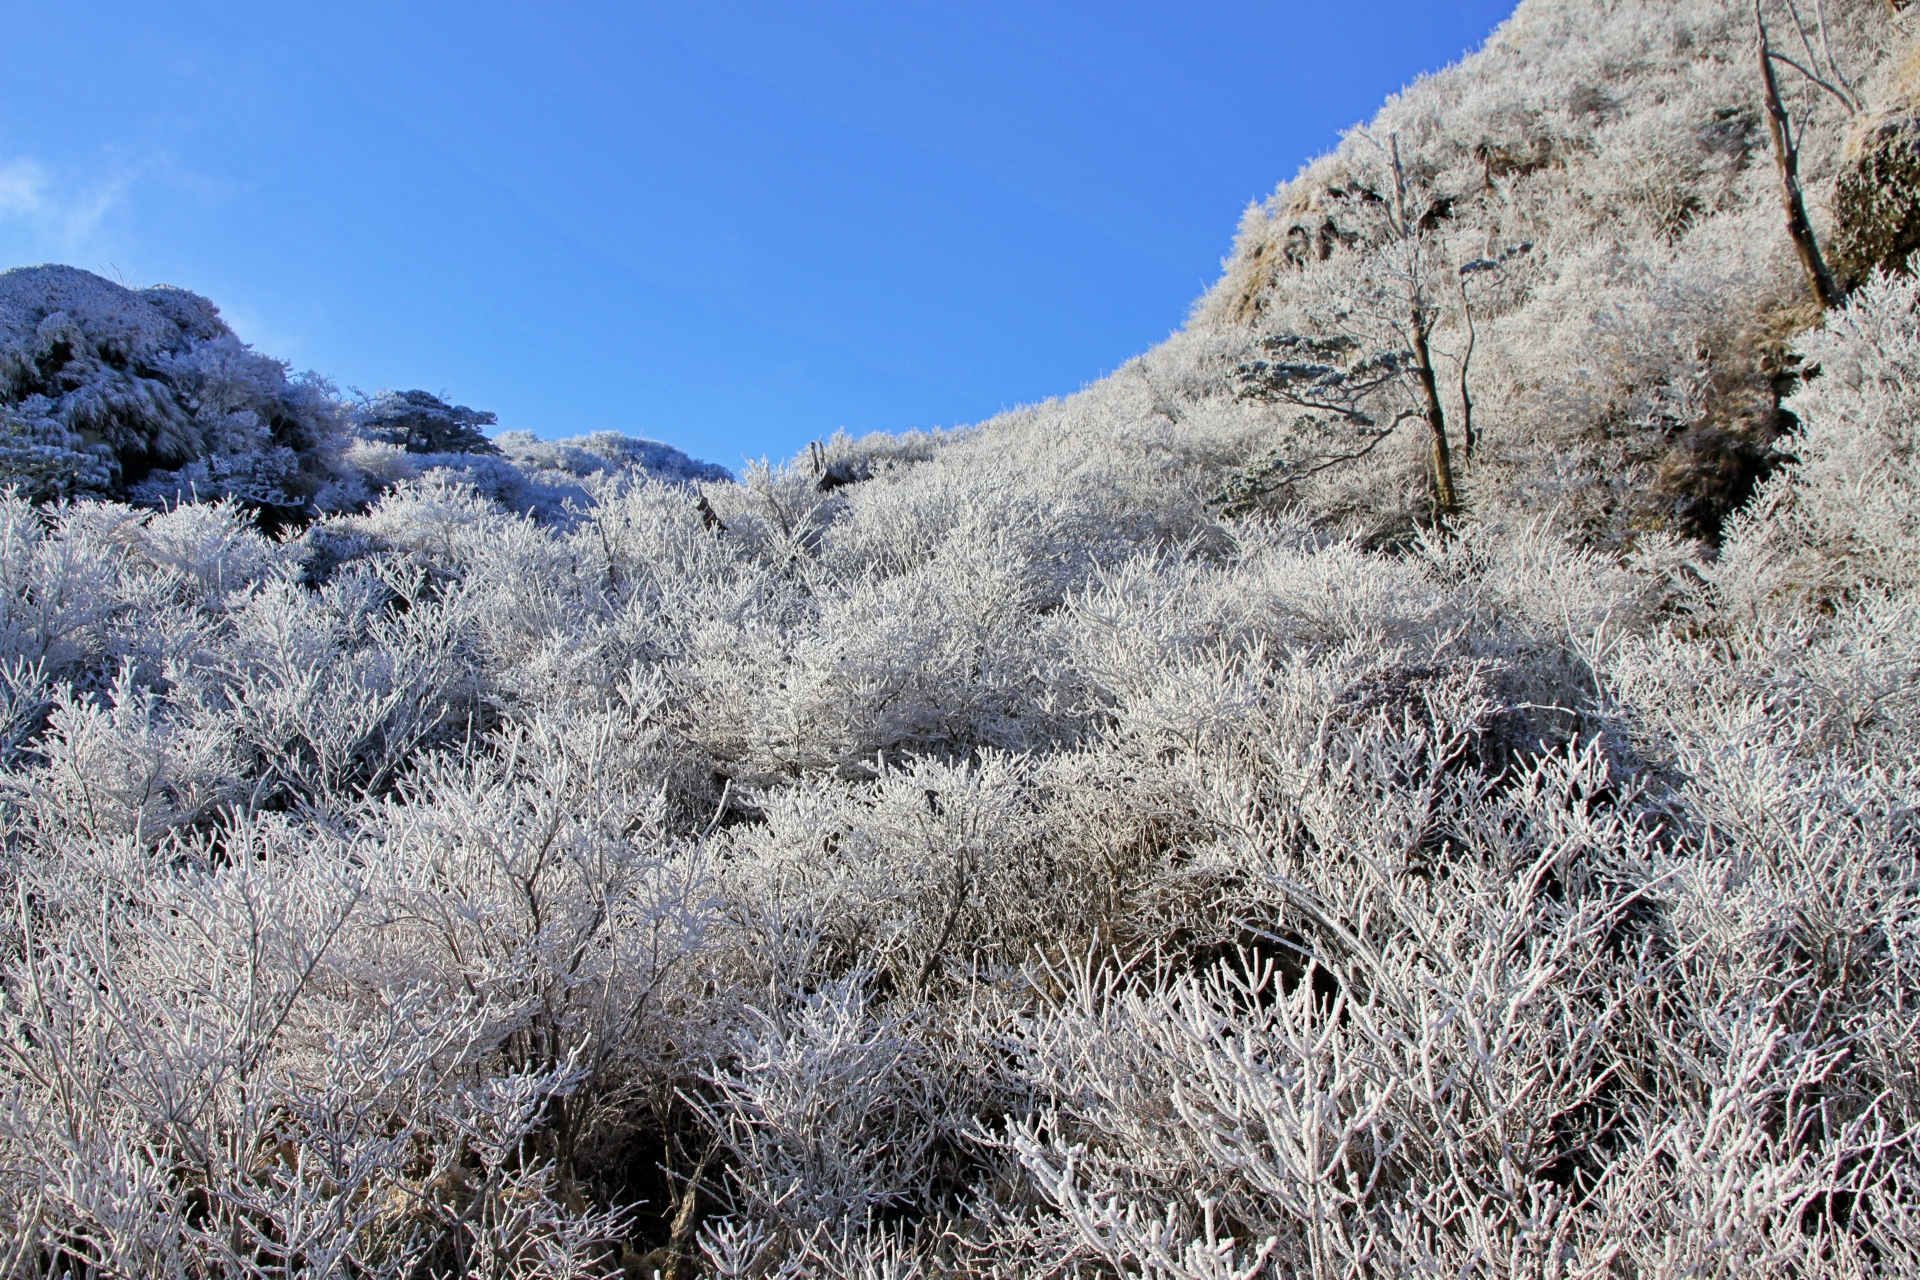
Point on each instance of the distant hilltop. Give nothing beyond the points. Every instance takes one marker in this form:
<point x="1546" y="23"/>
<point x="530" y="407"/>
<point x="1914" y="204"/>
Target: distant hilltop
<point x="147" y="395"/>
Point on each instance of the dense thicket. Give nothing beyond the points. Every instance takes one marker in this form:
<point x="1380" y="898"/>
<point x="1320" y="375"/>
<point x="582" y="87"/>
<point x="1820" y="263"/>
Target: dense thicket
<point x="1105" y="841"/>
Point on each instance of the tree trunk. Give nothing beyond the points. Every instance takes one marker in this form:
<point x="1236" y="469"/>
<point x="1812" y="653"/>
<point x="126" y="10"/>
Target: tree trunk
<point x="1786" y="157"/>
<point x="1436" y="418"/>
<point x="1466" y="362"/>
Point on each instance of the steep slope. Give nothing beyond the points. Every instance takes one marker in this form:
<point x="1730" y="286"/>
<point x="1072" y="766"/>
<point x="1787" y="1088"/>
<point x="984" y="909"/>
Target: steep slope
<point x="1604" y="265"/>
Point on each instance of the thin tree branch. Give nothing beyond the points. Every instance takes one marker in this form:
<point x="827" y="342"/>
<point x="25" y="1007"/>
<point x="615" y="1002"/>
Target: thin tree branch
<point x="1787" y="159"/>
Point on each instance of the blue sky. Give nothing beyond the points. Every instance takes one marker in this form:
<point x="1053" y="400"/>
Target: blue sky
<point x="730" y="226"/>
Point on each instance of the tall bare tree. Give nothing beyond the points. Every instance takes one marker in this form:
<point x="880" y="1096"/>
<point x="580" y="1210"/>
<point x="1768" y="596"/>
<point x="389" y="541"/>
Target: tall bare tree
<point x="1363" y="362"/>
<point x="1410" y="232"/>
<point x="1820" y="69"/>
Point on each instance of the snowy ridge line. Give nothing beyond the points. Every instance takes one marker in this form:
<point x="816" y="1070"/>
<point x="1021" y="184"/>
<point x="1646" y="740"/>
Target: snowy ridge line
<point x="147" y="395"/>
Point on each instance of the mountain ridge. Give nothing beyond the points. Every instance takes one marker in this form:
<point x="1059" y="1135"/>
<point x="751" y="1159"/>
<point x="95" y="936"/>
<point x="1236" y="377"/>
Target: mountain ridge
<point x="147" y="394"/>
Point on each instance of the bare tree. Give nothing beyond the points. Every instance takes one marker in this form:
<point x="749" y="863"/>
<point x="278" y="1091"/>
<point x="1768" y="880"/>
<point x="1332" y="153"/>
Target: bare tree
<point x="1412" y="232"/>
<point x="1365" y="364"/>
<point x="1822" y="70"/>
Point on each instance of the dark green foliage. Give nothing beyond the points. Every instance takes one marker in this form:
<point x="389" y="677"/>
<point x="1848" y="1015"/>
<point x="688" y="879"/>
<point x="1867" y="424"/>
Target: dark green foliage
<point x="1325" y="378"/>
<point x="423" y="423"/>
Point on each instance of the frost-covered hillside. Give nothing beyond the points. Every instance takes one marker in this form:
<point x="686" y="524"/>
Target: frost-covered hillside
<point x="1197" y="828"/>
<point x="1589" y="212"/>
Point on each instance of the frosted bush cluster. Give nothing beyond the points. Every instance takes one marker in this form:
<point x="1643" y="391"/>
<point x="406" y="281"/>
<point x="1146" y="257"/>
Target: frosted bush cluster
<point x="1097" y="843"/>
<point x="907" y="880"/>
<point x="102" y="387"/>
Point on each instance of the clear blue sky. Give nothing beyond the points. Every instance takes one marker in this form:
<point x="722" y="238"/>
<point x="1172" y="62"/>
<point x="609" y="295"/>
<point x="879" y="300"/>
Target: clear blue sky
<point x="730" y="226"/>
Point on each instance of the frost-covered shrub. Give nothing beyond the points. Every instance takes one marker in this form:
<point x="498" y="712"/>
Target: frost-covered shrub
<point x="853" y="885"/>
<point x="104" y="387"/>
<point x="606" y="451"/>
<point x="1847" y="517"/>
<point x="829" y="1114"/>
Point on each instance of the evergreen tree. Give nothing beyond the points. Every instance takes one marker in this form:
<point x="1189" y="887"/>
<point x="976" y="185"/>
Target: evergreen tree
<point x="420" y="422"/>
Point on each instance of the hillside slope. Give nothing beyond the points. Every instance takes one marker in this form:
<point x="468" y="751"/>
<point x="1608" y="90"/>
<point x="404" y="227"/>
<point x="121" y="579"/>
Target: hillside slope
<point x="1145" y="834"/>
<point x="1604" y="263"/>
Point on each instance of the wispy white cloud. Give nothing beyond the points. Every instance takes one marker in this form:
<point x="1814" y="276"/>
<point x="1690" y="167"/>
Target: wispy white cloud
<point x="50" y="214"/>
<point x="46" y="213"/>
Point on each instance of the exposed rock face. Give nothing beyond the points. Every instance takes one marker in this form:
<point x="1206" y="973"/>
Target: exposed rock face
<point x="104" y="389"/>
<point x="1877" y="199"/>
